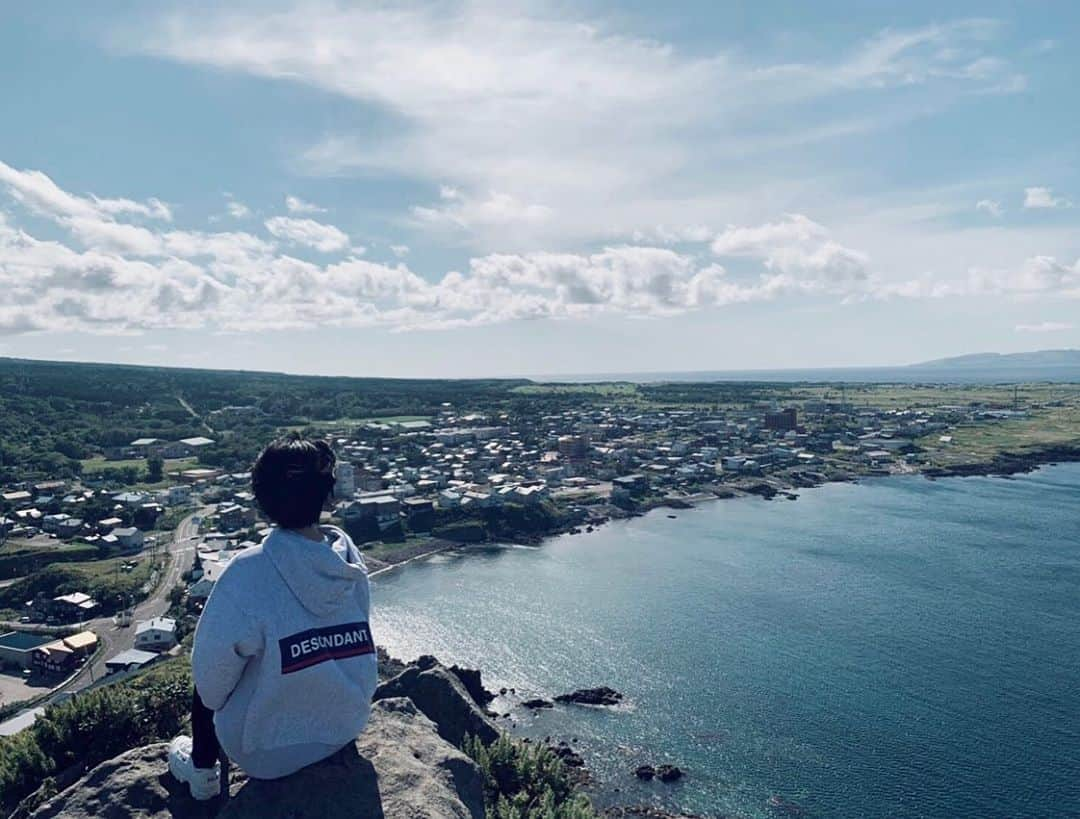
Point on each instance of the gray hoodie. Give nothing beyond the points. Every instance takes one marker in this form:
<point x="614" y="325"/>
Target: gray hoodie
<point x="283" y="652"/>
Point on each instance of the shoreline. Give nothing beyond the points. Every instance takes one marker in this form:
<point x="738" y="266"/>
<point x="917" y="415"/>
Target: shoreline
<point x="1004" y="465"/>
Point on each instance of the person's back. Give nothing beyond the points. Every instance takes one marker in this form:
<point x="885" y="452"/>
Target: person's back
<point x="283" y="658"/>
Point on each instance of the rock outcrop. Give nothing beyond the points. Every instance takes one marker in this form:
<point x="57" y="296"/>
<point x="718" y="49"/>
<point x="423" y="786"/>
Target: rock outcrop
<point x="443" y="699"/>
<point x="538" y="702"/>
<point x="399" y="768"/>
<point x="592" y="696"/>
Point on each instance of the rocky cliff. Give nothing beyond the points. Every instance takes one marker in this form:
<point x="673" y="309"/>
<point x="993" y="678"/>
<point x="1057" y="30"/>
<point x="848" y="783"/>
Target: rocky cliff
<point x="408" y="763"/>
<point x="399" y="767"/>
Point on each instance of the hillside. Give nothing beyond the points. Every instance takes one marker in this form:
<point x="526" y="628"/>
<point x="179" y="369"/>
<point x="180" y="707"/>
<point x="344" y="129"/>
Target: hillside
<point x="1004" y="361"/>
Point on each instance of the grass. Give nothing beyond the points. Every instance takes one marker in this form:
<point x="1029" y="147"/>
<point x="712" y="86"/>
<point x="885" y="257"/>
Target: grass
<point x="100" y="569"/>
<point x="906" y="396"/>
<point x="98" y="464"/>
<point x="355" y="422"/>
<point x="617" y="389"/>
<point x="1055" y="426"/>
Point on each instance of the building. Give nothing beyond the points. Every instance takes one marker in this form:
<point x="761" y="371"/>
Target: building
<point x="69" y="528"/>
<point x="345" y="486"/>
<point x="574" y="447"/>
<point x="131" y="659"/>
<point x="420" y="513"/>
<point x="51" y="523"/>
<point x="178" y="495"/>
<point x="158" y="634"/>
<point x="783" y="420"/>
<point x="145" y="447"/>
<point x="199" y="474"/>
<point x="232" y="517"/>
<point x="635" y="484"/>
<point x="17" y="648"/>
<point x="74" y="606"/>
<point x="129" y="537"/>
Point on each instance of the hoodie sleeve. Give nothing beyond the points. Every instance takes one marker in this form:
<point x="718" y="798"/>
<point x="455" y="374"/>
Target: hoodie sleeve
<point x="225" y="641"/>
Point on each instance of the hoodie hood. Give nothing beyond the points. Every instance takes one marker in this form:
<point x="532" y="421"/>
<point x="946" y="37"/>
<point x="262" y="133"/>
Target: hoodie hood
<point x="316" y="575"/>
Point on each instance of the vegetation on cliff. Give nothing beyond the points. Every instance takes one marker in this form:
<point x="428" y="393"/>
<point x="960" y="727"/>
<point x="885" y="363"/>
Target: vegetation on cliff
<point x="94" y="727"/>
<point x="526" y="781"/>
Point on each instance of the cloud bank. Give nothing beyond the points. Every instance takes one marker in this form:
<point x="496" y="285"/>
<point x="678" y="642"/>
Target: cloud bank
<point x="121" y="266"/>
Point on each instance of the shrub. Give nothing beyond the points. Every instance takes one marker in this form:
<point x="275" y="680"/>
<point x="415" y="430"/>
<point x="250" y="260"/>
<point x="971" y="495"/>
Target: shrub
<point x="526" y="781"/>
<point x="95" y="726"/>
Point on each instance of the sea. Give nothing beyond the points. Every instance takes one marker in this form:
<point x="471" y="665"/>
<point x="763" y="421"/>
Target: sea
<point x="900" y="647"/>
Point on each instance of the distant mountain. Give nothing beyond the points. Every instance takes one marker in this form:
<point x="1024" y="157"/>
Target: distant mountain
<point x="1004" y="361"/>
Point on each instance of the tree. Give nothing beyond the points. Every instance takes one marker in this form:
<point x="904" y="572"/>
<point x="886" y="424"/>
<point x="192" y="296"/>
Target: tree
<point x="155" y="469"/>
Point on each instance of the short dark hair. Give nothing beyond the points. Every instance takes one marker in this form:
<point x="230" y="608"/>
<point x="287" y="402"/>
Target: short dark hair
<point x="292" y="479"/>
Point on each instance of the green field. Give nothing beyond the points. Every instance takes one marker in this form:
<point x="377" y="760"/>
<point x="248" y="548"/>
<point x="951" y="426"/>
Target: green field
<point x="91" y="466"/>
<point x="620" y="389"/>
<point x="1054" y="426"/>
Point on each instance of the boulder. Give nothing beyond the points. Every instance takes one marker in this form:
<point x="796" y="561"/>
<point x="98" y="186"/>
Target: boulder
<point x="669" y="773"/>
<point x="568" y="755"/>
<point x="399" y="768"/>
<point x="443" y="699"/>
<point x="470" y="678"/>
<point x="538" y="702"/>
<point x="592" y="696"/>
<point x="645" y="772"/>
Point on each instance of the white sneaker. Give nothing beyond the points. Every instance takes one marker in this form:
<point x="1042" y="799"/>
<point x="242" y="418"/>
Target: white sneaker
<point x="204" y="783"/>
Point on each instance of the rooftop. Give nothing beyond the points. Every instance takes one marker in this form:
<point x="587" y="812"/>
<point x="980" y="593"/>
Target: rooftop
<point x="24" y="641"/>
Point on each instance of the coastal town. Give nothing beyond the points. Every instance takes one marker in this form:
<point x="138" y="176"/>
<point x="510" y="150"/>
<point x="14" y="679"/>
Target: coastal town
<point x="100" y="578"/>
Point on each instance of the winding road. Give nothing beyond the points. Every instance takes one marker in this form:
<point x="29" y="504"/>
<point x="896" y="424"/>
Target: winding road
<point x="180" y="554"/>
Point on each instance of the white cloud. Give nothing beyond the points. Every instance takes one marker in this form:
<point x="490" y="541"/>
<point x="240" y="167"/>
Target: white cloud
<point x="401" y="251"/>
<point x="990" y="206"/>
<point x="237" y="210"/>
<point x="565" y="127"/>
<point x="796" y="247"/>
<point x="1044" y="198"/>
<point x="295" y="204"/>
<point x="111" y="276"/>
<point x="1044" y="327"/>
<point x="493" y="211"/>
<point x="321" y="237"/>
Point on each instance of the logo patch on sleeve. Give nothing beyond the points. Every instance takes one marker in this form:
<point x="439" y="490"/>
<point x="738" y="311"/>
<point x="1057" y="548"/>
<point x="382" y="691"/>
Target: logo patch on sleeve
<point x="317" y="645"/>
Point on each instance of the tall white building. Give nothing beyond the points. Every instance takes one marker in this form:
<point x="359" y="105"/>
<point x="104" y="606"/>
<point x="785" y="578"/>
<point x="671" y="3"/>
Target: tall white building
<point x="346" y="480"/>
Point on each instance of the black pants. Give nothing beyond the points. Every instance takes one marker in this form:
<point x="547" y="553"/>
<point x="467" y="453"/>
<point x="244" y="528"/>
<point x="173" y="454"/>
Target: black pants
<point x="204" y="742"/>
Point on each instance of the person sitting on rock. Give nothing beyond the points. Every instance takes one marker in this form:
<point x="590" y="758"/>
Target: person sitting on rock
<point x="284" y="662"/>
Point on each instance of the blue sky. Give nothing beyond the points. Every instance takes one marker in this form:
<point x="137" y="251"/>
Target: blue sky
<point x="479" y="188"/>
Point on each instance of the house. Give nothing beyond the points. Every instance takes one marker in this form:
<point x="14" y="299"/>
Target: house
<point x="129" y="537"/>
<point x="130" y="659"/>
<point x="178" y="495"/>
<point x="130" y="498"/>
<point x="199" y="474"/>
<point x="70" y="528"/>
<point x="108" y="524"/>
<point x="51" y="523"/>
<point x="201" y="588"/>
<point x="53" y="658"/>
<point x="17" y="648"/>
<point x="233" y="516"/>
<point x="20" y="496"/>
<point x="635" y="484"/>
<point x="158" y="634"/>
<point x="74" y="606"/>
<point x="144" y="447"/>
<point x="449" y="499"/>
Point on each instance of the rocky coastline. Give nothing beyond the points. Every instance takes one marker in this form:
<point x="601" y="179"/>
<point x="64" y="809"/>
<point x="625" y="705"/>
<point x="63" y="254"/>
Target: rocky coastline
<point x="783" y="486"/>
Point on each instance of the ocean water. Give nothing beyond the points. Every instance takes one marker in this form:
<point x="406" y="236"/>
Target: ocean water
<point x="900" y="647"/>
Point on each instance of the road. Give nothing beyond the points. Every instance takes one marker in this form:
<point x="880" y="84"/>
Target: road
<point x="180" y="555"/>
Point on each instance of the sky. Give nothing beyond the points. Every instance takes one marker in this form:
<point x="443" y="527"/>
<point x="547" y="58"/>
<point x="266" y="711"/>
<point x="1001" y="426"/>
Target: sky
<point x="522" y="188"/>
